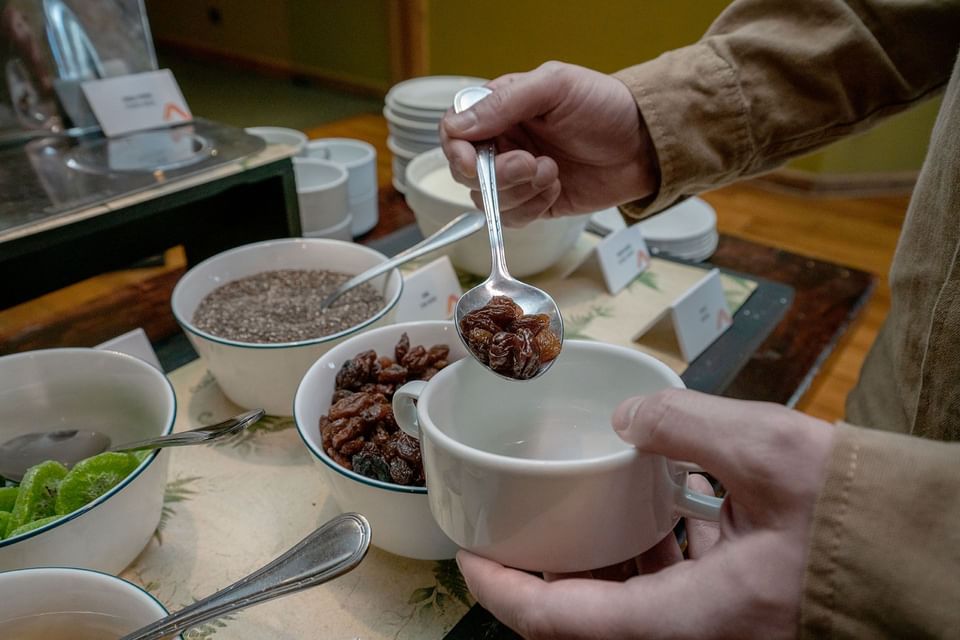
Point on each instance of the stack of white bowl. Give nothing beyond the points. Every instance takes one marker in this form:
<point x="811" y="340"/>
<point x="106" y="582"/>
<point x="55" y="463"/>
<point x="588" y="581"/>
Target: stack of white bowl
<point x="413" y="111"/>
<point x="687" y="230"/>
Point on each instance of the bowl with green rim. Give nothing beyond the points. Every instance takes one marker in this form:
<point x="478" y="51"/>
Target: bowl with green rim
<point x="88" y="389"/>
<point x="266" y="374"/>
<point x="67" y="602"/>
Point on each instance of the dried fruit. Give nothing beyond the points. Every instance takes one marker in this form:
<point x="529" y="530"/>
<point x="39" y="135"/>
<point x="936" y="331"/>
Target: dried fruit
<point x="510" y="343"/>
<point x="359" y="431"/>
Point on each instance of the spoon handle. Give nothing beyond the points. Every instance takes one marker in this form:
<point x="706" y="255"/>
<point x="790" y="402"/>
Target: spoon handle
<point x="213" y="432"/>
<point x="486" y="154"/>
<point x="330" y="551"/>
<point x="457" y="229"/>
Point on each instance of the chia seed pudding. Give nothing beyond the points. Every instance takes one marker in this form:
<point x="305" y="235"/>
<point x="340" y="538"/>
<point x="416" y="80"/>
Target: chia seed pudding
<point x="284" y="306"/>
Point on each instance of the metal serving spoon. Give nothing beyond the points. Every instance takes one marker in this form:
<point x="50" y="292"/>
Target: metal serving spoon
<point x="330" y="551"/>
<point x="70" y="446"/>
<point x="457" y="229"/>
<point x="500" y="283"/>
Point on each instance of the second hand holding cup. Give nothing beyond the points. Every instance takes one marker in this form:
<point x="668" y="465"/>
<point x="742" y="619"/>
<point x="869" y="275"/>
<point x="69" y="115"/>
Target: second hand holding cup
<point x="500" y="283"/>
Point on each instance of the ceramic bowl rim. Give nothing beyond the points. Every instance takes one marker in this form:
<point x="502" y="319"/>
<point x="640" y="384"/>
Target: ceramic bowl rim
<point x="133" y="475"/>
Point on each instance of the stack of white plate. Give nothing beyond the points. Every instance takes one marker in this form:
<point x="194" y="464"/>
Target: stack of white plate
<point x="413" y="110"/>
<point x="687" y="230"/>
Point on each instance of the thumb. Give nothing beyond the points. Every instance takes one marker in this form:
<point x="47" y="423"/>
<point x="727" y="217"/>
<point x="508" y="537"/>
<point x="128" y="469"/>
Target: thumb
<point x="524" y="97"/>
<point x="746" y="445"/>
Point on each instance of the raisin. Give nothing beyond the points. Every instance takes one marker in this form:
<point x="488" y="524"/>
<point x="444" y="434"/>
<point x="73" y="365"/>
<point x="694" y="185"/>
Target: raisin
<point x="403" y="346"/>
<point x="526" y="360"/>
<point x="384" y="362"/>
<point x="352" y="405"/>
<point x="548" y="344"/>
<point x="357" y="371"/>
<point x="416" y="360"/>
<point x="351" y="447"/>
<point x="534" y="323"/>
<point x="437" y="353"/>
<point x="339" y="395"/>
<point x="408" y="448"/>
<point x="478" y="319"/>
<point x="394" y="374"/>
<point x="500" y="355"/>
<point x="372" y="466"/>
<point x="400" y="471"/>
<point x="379" y="412"/>
<point x="351" y="428"/>
<point x="503" y="310"/>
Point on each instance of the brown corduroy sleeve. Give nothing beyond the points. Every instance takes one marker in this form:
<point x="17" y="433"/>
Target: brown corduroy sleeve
<point x="884" y="556"/>
<point x="772" y="80"/>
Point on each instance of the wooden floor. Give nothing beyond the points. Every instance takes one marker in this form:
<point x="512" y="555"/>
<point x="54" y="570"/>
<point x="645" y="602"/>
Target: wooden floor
<point x="858" y="232"/>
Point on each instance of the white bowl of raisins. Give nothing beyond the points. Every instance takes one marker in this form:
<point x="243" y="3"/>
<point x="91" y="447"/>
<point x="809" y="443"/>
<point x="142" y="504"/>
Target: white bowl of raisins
<point x="344" y="416"/>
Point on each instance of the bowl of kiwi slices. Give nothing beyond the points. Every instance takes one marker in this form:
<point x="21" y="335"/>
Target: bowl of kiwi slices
<point x="100" y="512"/>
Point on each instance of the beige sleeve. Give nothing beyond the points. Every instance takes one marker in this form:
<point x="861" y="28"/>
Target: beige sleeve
<point x="772" y="79"/>
<point x="884" y="556"/>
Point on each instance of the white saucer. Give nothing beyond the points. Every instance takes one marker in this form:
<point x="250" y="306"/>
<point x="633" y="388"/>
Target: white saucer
<point x="431" y="93"/>
<point x="690" y="220"/>
<point x="431" y="126"/>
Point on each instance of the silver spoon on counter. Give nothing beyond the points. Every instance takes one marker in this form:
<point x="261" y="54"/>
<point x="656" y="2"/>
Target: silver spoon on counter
<point x="457" y="229"/>
<point x="500" y="283"/>
<point x="70" y="446"/>
<point x="329" y="552"/>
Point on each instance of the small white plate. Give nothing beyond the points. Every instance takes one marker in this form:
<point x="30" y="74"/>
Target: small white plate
<point x="420" y="115"/>
<point x="692" y="219"/>
<point x="430" y="92"/>
<point x="414" y="125"/>
<point x="398" y="185"/>
<point x="401" y="151"/>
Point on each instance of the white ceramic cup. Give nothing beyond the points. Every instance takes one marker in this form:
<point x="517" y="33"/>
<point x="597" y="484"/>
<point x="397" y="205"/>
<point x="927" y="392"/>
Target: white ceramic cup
<point x="75" y="603"/>
<point x="532" y="475"/>
<point x="359" y="158"/>
<point x="321" y="193"/>
<point x="281" y="135"/>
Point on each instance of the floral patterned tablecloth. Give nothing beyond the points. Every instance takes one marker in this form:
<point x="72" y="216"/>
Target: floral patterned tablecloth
<point x="231" y="508"/>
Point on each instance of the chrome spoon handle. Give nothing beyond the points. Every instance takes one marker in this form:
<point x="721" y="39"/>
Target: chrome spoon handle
<point x="200" y="435"/>
<point x="330" y="551"/>
<point x="486" y="173"/>
<point x="457" y="229"/>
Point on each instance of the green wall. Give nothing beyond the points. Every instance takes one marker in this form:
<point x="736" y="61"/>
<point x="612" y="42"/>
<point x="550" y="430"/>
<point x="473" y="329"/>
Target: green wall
<point x="490" y="37"/>
<point x="343" y="39"/>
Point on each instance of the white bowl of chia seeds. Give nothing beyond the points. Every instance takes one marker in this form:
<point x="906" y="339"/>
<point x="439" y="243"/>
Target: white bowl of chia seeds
<point x="252" y="313"/>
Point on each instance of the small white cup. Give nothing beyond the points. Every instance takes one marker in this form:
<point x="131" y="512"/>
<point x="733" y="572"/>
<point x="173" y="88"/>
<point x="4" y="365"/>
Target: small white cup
<point x="281" y="135"/>
<point x="532" y="475"/>
<point x="359" y="158"/>
<point x="321" y="193"/>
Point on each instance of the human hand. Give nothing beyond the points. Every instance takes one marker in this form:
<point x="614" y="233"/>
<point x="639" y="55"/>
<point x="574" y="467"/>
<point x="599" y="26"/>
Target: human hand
<point x="772" y="462"/>
<point x="569" y="140"/>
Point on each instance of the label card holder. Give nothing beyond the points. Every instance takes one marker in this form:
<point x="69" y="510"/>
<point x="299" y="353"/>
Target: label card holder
<point x="619" y="257"/>
<point x="133" y="343"/>
<point x="136" y="102"/>
<point x="692" y="322"/>
<point x="430" y="292"/>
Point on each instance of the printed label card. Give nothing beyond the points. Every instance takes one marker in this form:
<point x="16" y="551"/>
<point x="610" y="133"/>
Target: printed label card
<point x="692" y="322"/>
<point x="136" y="102"/>
<point x="429" y="293"/>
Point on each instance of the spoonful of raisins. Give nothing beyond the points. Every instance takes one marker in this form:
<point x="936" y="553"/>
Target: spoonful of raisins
<point x="513" y="328"/>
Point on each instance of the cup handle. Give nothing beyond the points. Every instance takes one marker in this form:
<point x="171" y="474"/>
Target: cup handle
<point x="689" y="503"/>
<point x="405" y="407"/>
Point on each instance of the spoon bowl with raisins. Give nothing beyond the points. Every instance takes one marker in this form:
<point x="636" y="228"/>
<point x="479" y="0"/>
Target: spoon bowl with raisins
<point x="512" y="328"/>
